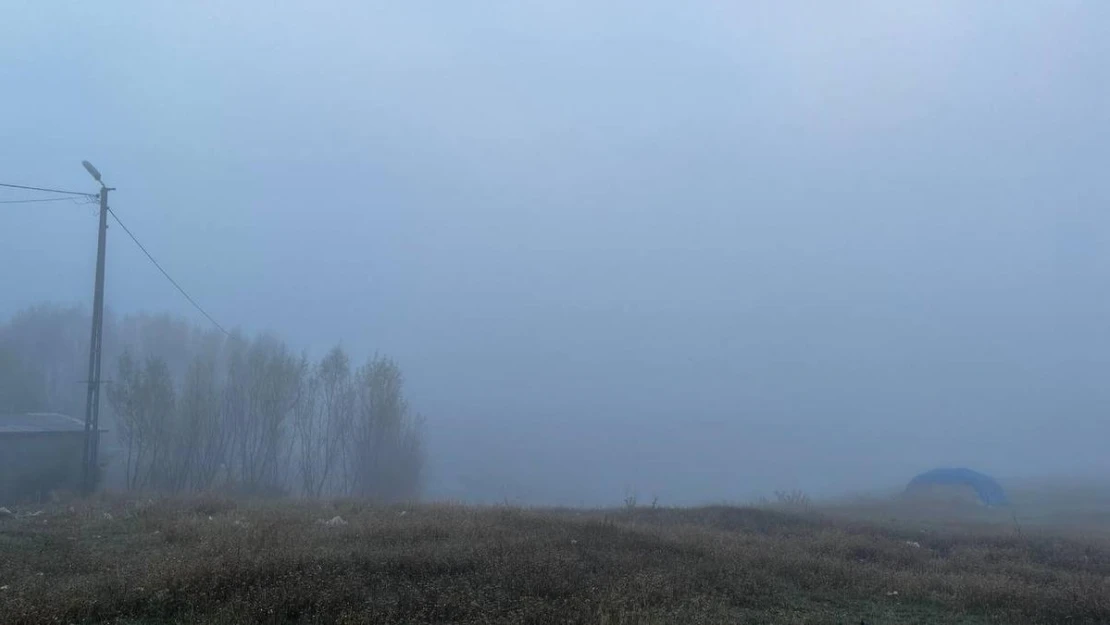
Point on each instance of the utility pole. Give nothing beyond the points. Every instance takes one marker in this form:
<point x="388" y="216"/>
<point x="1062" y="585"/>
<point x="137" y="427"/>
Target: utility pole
<point x="92" y="398"/>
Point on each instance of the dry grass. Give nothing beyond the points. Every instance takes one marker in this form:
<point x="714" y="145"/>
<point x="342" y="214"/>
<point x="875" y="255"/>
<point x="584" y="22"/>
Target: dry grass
<point x="221" y="561"/>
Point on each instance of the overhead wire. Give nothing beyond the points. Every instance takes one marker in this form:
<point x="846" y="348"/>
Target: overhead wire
<point x="35" y="200"/>
<point x="150" y="257"/>
<point x="44" y="189"/>
<point x="166" y="274"/>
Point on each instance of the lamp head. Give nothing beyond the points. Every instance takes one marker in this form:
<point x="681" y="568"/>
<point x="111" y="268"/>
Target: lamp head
<point x="92" y="171"/>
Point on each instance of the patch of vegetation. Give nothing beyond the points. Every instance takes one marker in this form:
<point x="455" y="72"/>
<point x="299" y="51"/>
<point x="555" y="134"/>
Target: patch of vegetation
<point x="190" y="560"/>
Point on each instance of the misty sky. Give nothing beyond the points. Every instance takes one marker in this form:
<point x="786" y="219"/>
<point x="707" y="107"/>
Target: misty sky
<point x="703" y="249"/>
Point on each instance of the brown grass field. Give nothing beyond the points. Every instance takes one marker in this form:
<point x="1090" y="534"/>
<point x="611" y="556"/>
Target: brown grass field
<point x="213" y="560"/>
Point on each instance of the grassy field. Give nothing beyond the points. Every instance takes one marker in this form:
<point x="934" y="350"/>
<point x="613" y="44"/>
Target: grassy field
<point x="210" y="560"/>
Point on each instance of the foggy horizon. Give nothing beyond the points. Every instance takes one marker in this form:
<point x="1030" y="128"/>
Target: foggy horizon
<point x="700" y="252"/>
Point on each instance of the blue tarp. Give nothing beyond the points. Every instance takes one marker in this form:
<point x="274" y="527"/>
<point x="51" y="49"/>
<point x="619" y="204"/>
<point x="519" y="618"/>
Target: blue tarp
<point x="989" y="491"/>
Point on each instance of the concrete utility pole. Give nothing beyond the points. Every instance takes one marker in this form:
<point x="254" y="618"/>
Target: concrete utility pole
<point x="92" y="399"/>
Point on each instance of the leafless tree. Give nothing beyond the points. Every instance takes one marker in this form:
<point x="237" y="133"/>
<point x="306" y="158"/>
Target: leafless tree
<point x="264" y="387"/>
<point x="53" y="341"/>
<point x="191" y="409"/>
<point x="386" y="453"/>
<point x="201" y="442"/>
<point x="144" y="402"/>
<point x="123" y="398"/>
<point x="324" y="421"/>
<point x="159" y="399"/>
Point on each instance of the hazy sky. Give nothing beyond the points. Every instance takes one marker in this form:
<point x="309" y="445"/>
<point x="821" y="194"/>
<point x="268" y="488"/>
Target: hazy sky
<point x="704" y="249"/>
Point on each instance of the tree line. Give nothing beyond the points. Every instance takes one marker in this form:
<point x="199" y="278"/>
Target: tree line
<point x="193" y="410"/>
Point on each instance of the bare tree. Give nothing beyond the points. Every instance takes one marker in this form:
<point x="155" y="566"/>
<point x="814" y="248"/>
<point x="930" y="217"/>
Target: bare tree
<point x="250" y="415"/>
<point x="22" y="388"/>
<point x="306" y="426"/>
<point x="54" y="342"/>
<point x="159" y="403"/>
<point x="324" y="421"/>
<point x="264" y="387"/>
<point x="123" y="397"/>
<point x="200" y="444"/>
<point x="212" y="446"/>
<point x="386" y="453"/>
<point x="143" y="400"/>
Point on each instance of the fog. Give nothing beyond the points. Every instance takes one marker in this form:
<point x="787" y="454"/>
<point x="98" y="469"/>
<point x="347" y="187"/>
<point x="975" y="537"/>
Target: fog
<point x="696" y="250"/>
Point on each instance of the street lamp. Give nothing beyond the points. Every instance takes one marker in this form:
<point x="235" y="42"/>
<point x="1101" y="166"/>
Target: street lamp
<point x="92" y="397"/>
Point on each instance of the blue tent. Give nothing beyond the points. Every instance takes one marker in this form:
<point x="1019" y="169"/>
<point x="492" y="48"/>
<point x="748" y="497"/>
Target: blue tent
<point x="988" y="490"/>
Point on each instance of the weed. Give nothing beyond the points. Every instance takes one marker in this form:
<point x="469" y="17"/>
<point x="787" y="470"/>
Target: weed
<point x="167" y="561"/>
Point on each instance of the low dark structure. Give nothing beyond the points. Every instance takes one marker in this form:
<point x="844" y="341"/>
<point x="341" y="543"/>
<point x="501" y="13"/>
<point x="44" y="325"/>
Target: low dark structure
<point x="986" y="488"/>
<point x="39" y="453"/>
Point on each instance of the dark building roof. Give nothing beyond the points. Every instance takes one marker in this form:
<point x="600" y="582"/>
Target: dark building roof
<point x="38" y="423"/>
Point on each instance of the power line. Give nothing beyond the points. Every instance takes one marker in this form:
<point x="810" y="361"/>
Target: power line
<point x="19" y="186"/>
<point x="47" y="199"/>
<point x="172" y="281"/>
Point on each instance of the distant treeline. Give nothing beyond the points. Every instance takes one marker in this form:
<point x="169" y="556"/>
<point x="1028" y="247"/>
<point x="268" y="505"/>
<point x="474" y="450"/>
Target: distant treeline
<point x="190" y="409"/>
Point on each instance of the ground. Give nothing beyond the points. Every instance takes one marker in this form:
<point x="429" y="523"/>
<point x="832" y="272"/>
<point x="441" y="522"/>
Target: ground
<point x="213" y="560"/>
